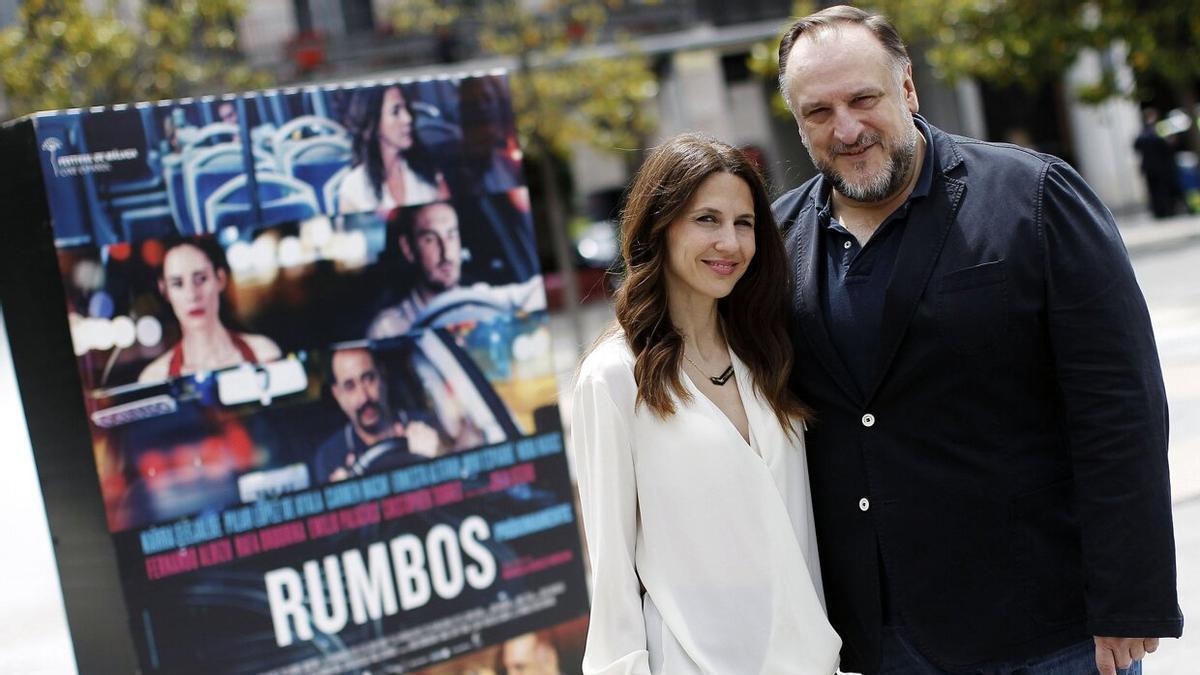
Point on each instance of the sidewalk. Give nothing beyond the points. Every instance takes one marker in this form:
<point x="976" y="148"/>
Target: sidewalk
<point x="1176" y="657"/>
<point x="1144" y="234"/>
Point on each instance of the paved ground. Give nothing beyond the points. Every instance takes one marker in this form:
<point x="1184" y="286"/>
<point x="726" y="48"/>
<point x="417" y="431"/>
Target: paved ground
<point x="33" y="632"/>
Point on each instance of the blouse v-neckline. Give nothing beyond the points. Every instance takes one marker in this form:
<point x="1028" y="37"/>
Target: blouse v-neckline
<point x="740" y="375"/>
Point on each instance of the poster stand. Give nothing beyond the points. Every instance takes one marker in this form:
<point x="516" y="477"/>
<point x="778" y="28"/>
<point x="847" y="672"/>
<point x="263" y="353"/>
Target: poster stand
<point x="284" y="361"/>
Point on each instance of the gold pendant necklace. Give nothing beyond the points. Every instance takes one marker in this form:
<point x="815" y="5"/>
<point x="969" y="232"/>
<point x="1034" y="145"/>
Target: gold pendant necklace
<point x="719" y="380"/>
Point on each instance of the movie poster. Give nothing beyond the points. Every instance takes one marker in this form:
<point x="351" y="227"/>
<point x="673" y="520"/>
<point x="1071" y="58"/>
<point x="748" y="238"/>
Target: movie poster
<point x="313" y="343"/>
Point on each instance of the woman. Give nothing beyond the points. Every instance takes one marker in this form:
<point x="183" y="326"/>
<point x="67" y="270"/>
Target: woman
<point x="390" y="167"/>
<point x="193" y="278"/>
<point x="688" y="444"/>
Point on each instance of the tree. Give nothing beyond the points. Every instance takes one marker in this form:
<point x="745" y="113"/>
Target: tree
<point x="64" y="53"/>
<point x="1030" y="42"/>
<point x="764" y="57"/>
<point x="574" y="79"/>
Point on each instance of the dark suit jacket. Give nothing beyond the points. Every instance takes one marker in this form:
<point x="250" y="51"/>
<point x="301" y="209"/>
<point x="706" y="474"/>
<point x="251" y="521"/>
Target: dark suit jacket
<point x="1012" y="448"/>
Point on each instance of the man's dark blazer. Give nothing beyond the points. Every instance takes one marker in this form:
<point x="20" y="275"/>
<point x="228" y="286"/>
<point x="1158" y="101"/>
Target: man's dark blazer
<point x="1008" y="462"/>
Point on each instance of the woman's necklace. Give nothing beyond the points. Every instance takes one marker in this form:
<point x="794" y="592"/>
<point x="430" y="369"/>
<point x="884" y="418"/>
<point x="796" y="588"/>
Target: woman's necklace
<point x="719" y="380"/>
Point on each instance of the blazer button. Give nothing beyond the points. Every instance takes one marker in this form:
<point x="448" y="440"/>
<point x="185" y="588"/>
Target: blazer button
<point x="868" y="420"/>
<point x="864" y="504"/>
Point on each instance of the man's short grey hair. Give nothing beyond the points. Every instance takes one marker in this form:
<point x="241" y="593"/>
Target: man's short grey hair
<point x="830" y="19"/>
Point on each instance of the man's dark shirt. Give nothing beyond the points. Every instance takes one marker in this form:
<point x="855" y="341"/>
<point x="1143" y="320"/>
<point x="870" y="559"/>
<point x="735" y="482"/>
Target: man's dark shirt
<point x="855" y="278"/>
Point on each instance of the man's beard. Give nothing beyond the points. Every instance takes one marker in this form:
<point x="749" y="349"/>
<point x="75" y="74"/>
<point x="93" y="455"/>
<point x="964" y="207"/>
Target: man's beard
<point x="380" y="422"/>
<point x="886" y="182"/>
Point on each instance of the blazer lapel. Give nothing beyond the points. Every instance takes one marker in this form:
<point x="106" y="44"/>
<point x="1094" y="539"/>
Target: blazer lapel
<point x="929" y="222"/>
<point x="808" y="303"/>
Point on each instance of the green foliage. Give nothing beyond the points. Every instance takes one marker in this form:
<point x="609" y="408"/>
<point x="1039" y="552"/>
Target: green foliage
<point x="561" y="94"/>
<point x="1031" y="42"/>
<point x="63" y="54"/>
<point x="764" y="56"/>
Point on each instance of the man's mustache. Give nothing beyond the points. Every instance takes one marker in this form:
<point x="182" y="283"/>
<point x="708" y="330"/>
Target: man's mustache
<point x="369" y="405"/>
<point x="861" y="143"/>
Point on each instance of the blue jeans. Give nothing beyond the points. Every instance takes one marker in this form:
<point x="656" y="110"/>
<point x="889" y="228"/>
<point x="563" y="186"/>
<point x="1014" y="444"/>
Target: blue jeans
<point x="900" y="657"/>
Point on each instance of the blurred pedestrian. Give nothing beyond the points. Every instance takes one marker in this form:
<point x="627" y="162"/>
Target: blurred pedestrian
<point x="989" y="457"/>
<point x="1158" y="165"/>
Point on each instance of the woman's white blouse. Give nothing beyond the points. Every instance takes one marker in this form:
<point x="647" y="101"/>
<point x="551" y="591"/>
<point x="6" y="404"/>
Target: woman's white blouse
<point x="718" y="533"/>
<point x="356" y="192"/>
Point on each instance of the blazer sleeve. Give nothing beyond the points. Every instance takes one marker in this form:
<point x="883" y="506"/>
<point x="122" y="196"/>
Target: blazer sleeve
<point x="600" y="441"/>
<point x="1107" y="367"/>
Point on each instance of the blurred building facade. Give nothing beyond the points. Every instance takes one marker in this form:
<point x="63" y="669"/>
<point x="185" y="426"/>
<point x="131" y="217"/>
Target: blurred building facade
<point x="699" y="49"/>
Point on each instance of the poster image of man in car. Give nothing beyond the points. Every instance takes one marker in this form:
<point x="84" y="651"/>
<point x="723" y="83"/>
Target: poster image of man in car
<point x="375" y="435"/>
<point x="429" y="241"/>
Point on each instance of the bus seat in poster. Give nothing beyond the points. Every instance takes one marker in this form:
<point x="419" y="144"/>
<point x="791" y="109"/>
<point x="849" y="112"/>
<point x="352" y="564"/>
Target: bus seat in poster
<point x="176" y="193"/>
<point x="217" y="133"/>
<point x="305" y="127"/>
<point x="316" y="160"/>
<point x="263" y="137"/>
<point x="280" y="198"/>
<point x="329" y="192"/>
<point x="208" y="169"/>
<point x="147" y="222"/>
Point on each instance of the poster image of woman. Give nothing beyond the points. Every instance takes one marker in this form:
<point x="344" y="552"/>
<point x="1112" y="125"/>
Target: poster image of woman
<point x="193" y="279"/>
<point x="390" y="167"/>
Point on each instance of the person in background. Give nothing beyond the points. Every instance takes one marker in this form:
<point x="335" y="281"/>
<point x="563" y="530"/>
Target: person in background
<point x="1158" y="166"/>
<point x="227" y="112"/>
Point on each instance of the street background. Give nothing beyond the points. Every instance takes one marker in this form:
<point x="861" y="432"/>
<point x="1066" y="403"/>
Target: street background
<point x="1166" y="257"/>
<point x="595" y="83"/>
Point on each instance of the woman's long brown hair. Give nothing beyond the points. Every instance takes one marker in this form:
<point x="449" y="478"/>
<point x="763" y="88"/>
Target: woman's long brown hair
<point x="754" y="315"/>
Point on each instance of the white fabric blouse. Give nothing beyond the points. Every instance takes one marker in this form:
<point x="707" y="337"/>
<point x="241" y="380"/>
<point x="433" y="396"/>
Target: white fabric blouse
<point x="702" y="547"/>
<point x="356" y="192"/>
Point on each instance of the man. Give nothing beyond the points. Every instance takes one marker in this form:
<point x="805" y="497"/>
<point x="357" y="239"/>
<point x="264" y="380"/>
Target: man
<point x="530" y="654"/>
<point x="989" y="468"/>
<point x="1158" y="165"/>
<point x="373" y="429"/>
<point x="428" y="237"/>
